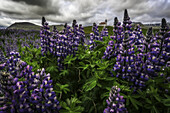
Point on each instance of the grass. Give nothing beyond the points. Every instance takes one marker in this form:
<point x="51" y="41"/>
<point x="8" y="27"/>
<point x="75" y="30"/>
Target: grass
<point x="88" y="29"/>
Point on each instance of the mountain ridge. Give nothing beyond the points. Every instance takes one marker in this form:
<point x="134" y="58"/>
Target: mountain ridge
<point x="24" y="25"/>
<point x="31" y="26"/>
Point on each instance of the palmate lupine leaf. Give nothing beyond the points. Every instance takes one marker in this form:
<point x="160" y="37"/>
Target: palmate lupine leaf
<point x="71" y="106"/>
<point x="166" y="101"/>
<point x="52" y="69"/>
<point x="90" y="85"/>
<point x="64" y="72"/>
<point x="135" y="102"/>
<point x="83" y="66"/>
<point x="63" y="88"/>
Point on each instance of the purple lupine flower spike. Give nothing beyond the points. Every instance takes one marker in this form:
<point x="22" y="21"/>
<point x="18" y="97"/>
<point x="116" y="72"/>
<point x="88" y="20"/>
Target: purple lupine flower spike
<point x="115" y="102"/>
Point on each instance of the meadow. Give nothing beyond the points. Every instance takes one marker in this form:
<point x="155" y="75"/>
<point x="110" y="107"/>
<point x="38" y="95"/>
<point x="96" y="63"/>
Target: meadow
<point x="95" y="69"/>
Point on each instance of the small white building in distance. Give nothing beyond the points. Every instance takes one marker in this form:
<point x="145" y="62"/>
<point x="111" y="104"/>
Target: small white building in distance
<point x="103" y="23"/>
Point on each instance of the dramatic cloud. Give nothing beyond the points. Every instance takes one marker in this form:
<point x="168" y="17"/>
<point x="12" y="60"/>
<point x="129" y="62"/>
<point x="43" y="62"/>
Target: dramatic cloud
<point x="34" y="2"/>
<point x="84" y="11"/>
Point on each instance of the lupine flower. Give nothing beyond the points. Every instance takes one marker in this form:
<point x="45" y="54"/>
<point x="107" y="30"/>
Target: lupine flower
<point x="104" y="32"/>
<point x="94" y="36"/>
<point x="115" y="102"/>
<point x="2" y="56"/>
<point x="81" y="33"/>
<point x="25" y="90"/>
<point x="157" y="51"/>
<point x="109" y="50"/>
<point x="114" y="48"/>
<point x="61" y="44"/>
<point x="14" y="39"/>
<point x="128" y="64"/>
<point x="45" y="37"/>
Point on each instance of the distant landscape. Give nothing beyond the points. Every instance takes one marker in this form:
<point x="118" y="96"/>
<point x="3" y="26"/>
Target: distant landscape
<point x="87" y="29"/>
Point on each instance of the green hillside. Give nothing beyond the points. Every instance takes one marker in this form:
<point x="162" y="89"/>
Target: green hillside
<point x="24" y="26"/>
<point x="88" y="29"/>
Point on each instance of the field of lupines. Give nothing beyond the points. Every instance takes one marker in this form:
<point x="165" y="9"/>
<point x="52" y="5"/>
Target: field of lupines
<point x="64" y="72"/>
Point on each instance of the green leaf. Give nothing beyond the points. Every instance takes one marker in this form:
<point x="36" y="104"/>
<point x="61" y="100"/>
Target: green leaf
<point x="98" y="47"/>
<point x="148" y="106"/>
<point x="108" y="88"/>
<point x="70" y="106"/>
<point x="98" y="42"/>
<point x="106" y="94"/>
<point x="148" y="101"/>
<point x="64" y="72"/>
<point x="82" y="63"/>
<point x="114" y="73"/>
<point x="90" y="85"/>
<point x="86" y="66"/>
<point x="136" y="96"/>
<point x="166" y="102"/>
<point x="52" y="68"/>
<point x="99" y="85"/>
<point x="109" y="78"/>
<point x="134" y="102"/>
<point x="92" y="66"/>
<point x="127" y="101"/>
<point x="156" y="111"/>
<point x="157" y="98"/>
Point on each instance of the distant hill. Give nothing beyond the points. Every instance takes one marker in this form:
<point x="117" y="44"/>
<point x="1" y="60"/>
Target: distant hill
<point x="24" y="25"/>
<point x="31" y="26"/>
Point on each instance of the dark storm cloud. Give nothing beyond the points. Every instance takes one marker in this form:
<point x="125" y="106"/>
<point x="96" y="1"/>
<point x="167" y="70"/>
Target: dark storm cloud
<point x="44" y="6"/>
<point x="8" y="12"/>
<point x="84" y="11"/>
<point x="35" y="2"/>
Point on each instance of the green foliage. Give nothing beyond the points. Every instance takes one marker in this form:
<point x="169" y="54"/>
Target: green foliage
<point x="90" y="85"/>
<point x="59" y="89"/>
<point x="88" y="76"/>
<point x="166" y="101"/>
<point x="71" y="106"/>
<point x="32" y="56"/>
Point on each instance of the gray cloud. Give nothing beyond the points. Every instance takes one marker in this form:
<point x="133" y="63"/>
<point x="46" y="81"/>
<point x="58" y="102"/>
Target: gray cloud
<point x="84" y="11"/>
<point x="35" y="2"/>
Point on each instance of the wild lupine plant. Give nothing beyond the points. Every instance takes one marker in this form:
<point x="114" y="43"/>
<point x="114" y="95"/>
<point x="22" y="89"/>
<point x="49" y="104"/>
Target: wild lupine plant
<point x="95" y="36"/>
<point x="140" y="58"/>
<point x="23" y="91"/>
<point x="125" y="65"/>
<point x="116" y="40"/>
<point x="45" y="37"/>
<point x="61" y="44"/>
<point x="2" y="56"/>
<point x="153" y="54"/>
<point x="158" y="54"/>
<point x="14" y="40"/>
<point x="81" y="33"/>
<point x="104" y="32"/>
<point x="115" y="103"/>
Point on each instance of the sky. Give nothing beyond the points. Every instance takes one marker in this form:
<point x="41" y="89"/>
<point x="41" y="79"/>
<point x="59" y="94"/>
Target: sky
<point x="85" y="12"/>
